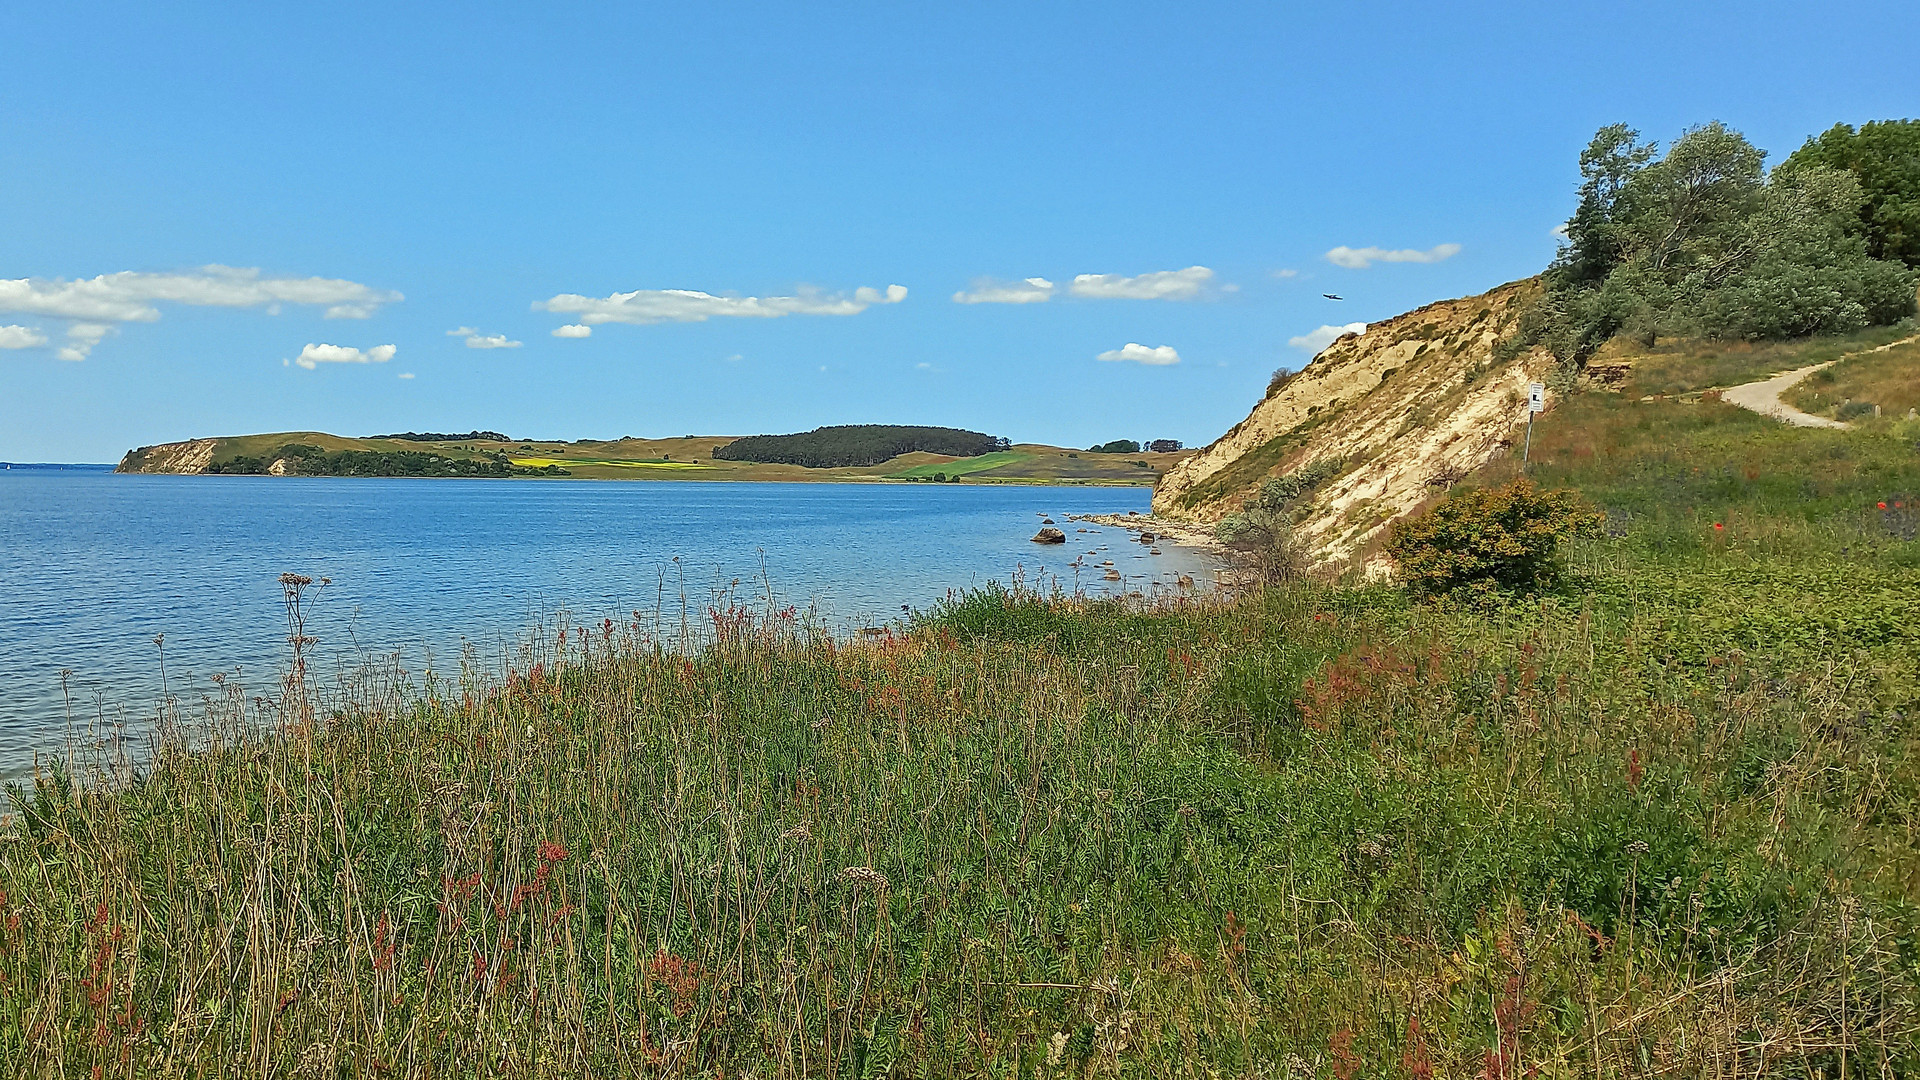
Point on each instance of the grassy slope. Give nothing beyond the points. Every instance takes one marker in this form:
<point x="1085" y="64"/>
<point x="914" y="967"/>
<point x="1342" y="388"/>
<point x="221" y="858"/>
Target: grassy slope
<point x="1889" y="379"/>
<point x="1661" y="822"/>
<point x="691" y="458"/>
<point x="1675" y="367"/>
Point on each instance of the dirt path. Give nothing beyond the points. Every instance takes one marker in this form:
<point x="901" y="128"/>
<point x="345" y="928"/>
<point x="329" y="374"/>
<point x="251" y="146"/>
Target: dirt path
<point x="1764" y="398"/>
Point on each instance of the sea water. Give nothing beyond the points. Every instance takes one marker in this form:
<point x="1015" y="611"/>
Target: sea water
<point x="105" y="578"/>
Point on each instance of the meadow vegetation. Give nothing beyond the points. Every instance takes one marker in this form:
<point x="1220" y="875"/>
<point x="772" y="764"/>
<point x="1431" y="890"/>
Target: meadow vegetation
<point x="1657" y="817"/>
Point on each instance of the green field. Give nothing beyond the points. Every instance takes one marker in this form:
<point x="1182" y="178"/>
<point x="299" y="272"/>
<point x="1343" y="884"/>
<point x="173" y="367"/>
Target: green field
<point x="1661" y="820"/>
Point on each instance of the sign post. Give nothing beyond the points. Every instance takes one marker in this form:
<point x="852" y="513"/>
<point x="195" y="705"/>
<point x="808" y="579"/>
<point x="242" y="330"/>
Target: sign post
<point x="1536" y="403"/>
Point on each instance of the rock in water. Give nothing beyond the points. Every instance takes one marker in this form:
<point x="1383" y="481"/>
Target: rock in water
<point x="1049" y="536"/>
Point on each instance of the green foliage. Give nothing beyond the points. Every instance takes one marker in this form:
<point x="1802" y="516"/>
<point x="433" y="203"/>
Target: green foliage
<point x="304" y="459"/>
<point x="1884" y="158"/>
<point x="1702" y="241"/>
<point x="1481" y="539"/>
<point x="435" y="436"/>
<point x="1262" y="529"/>
<point x="857" y="445"/>
<point x="1117" y="446"/>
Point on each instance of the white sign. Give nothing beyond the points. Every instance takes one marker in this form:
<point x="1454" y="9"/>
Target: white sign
<point x="1536" y="398"/>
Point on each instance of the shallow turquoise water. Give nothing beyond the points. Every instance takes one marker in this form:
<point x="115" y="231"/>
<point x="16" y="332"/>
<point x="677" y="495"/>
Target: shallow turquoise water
<point x="94" y="565"/>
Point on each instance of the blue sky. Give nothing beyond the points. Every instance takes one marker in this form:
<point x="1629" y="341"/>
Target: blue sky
<point x="374" y="178"/>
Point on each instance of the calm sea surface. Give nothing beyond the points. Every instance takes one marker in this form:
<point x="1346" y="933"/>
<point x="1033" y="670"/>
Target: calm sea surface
<point x="94" y="565"/>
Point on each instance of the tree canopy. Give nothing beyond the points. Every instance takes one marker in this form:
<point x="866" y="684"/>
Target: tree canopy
<point x="1884" y="157"/>
<point x="1703" y="240"/>
<point x="855" y="445"/>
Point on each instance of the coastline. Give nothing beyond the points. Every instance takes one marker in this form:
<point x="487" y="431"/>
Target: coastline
<point x="1181" y="533"/>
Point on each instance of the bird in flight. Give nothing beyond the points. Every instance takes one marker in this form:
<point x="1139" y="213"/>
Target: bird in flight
<point x="1330" y="296"/>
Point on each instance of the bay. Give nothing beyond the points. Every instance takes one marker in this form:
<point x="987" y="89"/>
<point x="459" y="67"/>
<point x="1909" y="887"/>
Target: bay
<point x="94" y="566"/>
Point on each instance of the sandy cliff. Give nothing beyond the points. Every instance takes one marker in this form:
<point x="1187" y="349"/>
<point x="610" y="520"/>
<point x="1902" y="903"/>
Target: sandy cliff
<point x="1408" y="406"/>
<point x="192" y="456"/>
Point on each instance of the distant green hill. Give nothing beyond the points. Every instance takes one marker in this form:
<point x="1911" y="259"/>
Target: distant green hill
<point x="691" y="457"/>
<point x="855" y="445"/>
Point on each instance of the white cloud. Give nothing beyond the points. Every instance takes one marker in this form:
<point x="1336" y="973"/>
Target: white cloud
<point x="20" y="337"/>
<point x="130" y="296"/>
<point x="1361" y="258"/>
<point x="1140" y="354"/>
<point x="406" y="374"/>
<point x="1315" y="340"/>
<point x="573" y="330"/>
<point x="81" y="338"/>
<point x="314" y="355"/>
<point x="1287" y="273"/>
<point x="1033" y="290"/>
<point x="1560" y="233"/>
<point x="686" y="305"/>
<point x="477" y="340"/>
<point x="1159" y="285"/>
<point x="92" y="304"/>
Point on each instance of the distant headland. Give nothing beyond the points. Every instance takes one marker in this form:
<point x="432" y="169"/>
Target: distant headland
<point x="853" y="452"/>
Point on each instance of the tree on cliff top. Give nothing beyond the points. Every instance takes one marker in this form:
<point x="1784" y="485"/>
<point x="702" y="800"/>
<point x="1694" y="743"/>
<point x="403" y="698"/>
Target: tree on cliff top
<point x="1885" y="158"/>
<point x="1702" y="240"/>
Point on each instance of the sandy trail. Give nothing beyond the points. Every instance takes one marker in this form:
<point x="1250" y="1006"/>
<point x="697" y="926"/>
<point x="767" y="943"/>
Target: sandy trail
<point x="1763" y="397"/>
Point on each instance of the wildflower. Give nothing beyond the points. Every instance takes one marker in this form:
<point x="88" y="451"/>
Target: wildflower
<point x="865" y="875"/>
<point x="1717" y="527"/>
<point x="551" y="852"/>
<point x="1883" y="505"/>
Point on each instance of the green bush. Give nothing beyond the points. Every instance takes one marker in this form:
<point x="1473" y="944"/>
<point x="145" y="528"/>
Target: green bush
<point x="1263" y="528"/>
<point x="1506" y="537"/>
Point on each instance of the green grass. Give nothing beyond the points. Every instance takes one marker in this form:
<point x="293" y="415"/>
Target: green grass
<point x="1646" y="820"/>
<point x="1683" y="366"/>
<point x="1887" y="379"/>
<point x="962" y="466"/>
<point x="1661" y="821"/>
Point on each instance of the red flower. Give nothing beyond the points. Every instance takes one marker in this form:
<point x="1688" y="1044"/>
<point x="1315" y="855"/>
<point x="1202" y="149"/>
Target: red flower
<point x="1883" y="506"/>
<point x="1717" y="527"/>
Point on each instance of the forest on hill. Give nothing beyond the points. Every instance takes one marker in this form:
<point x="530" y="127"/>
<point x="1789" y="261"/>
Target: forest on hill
<point x="855" y="445"/>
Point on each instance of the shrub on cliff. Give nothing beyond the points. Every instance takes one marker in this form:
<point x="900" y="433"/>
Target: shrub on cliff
<point x="1263" y="529"/>
<point x="1498" y="538"/>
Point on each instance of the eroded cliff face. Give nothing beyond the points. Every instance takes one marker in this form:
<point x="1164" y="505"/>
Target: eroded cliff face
<point x="192" y="456"/>
<point x="1407" y="407"/>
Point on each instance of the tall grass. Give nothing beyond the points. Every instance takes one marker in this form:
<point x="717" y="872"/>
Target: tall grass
<point x="1314" y="832"/>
